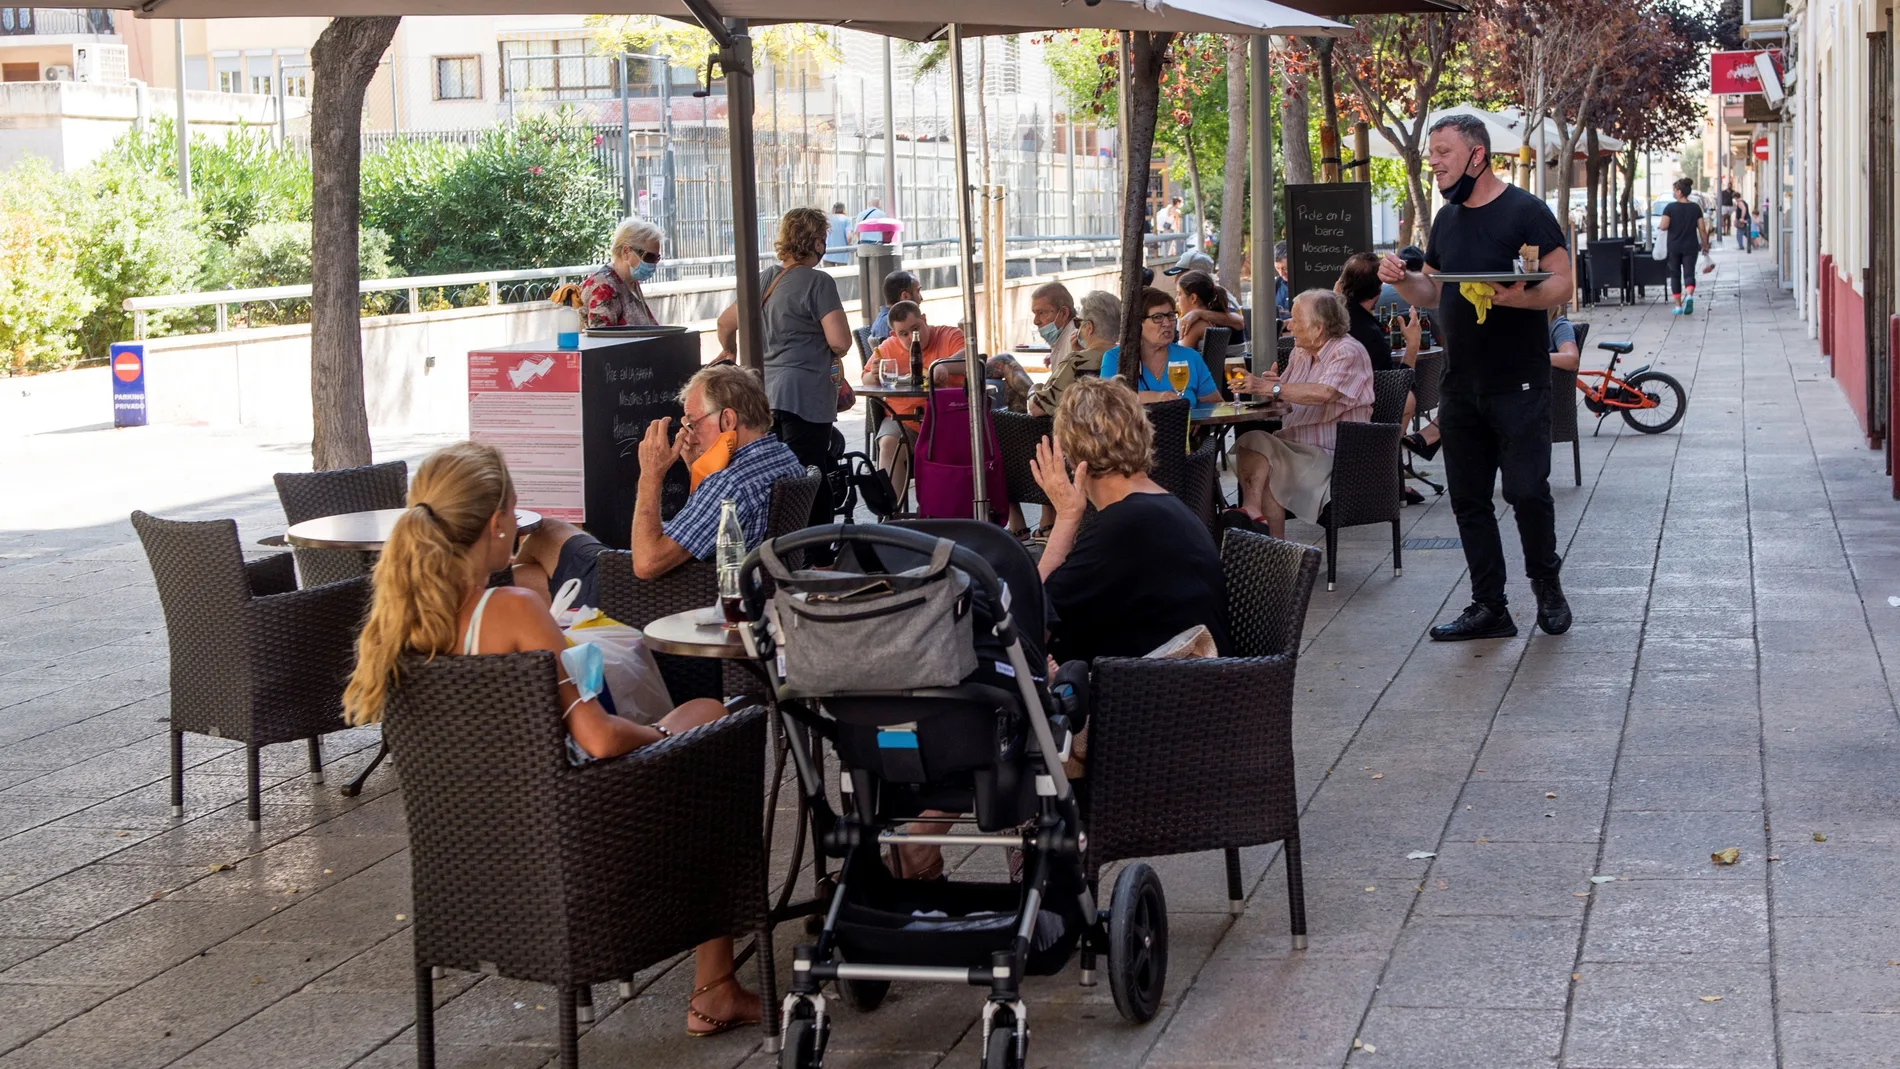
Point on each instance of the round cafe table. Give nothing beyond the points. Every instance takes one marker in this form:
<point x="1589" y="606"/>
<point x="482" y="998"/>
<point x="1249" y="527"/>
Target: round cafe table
<point x="695" y="633"/>
<point x="1229" y="412"/>
<point x="367" y="531"/>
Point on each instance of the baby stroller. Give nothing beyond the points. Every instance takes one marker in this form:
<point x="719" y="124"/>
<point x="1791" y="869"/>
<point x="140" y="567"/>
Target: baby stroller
<point x="956" y="719"/>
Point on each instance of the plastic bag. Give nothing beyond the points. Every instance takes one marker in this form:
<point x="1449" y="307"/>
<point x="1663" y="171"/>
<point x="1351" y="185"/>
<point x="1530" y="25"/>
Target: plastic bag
<point x="1659" y="249"/>
<point x="633" y="676"/>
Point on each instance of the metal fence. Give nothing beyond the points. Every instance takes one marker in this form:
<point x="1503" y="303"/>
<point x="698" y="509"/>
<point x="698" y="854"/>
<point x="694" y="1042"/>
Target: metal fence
<point x="818" y="143"/>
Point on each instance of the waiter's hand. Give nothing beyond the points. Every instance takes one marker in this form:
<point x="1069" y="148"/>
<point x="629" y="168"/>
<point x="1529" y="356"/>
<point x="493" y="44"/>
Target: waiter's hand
<point x="1510" y="295"/>
<point x="658" y="451"/>
<point x="1391" y="269"/>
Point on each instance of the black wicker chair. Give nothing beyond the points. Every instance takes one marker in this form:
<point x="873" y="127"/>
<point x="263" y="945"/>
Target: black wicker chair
<point x="253" y="658"/>
<point x="865" y="348"/>
<point x="1017" y="435"/>
<point x="1563" y="408"/>
<point x="527" y="866"/>
<point x="1367" y="472"/>
<point x="1191" y="755"/>
<point x="1214" y="345"/>
<point x="309" y="495"/>
<point x="695" y="585"/>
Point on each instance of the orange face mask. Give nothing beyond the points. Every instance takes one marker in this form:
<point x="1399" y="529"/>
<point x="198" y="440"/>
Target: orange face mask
<point x="714" y="459"/>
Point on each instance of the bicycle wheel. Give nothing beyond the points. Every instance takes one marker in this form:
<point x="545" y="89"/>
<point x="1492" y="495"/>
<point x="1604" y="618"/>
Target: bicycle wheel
<point x="1672" y="403"/>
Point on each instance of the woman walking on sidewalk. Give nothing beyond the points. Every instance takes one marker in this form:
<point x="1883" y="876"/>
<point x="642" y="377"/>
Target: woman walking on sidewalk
<point x="1688" y="233"/>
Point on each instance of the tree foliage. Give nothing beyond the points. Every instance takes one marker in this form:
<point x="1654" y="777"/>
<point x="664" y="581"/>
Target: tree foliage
<point x="237" y="181"/>
<point x="1396" y="66"/>
<point x="689" y="45"/>
<point x="42" y="296"/>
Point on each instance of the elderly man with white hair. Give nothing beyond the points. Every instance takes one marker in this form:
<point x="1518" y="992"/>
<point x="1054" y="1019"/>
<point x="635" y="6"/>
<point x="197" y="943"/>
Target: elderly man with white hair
<point x="611" y="297"/>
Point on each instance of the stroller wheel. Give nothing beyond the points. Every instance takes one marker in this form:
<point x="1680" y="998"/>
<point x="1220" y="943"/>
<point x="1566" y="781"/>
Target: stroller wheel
<point x="1138" y="943"/>
<point x="864" y="995"/>
<point x="800" y="1049"/>
<point x="1001" y="1053"/>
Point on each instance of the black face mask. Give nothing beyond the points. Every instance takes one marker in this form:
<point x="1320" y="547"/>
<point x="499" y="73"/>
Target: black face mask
<point x="1460" y="191"/>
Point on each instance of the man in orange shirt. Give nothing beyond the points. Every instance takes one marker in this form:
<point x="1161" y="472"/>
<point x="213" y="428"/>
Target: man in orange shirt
<point x="938" y="343"/>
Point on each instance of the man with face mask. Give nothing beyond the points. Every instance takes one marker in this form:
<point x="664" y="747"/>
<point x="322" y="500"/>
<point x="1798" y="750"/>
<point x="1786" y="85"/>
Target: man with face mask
<point x="1494" y="413"/>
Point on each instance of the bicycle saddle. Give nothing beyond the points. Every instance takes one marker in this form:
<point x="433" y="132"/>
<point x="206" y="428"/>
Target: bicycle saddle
<point x="1622" y="347"/>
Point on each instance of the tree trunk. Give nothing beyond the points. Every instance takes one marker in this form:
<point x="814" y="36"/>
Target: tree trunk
<point x="1194" y="189"/>
<point x="1296" y="145"/>
<point x="1593" y="178"/>
<point x="1148" y="53"/>
<point x="1330" y="156"/>
<point x="1233" y="202"/>
<point x="344" y="60"/>
<point x="1629" y="190"/>
<point x="1418" y="217"/>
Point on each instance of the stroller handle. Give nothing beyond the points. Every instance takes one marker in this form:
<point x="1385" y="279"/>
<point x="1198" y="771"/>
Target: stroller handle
<point x="752" y="591"/>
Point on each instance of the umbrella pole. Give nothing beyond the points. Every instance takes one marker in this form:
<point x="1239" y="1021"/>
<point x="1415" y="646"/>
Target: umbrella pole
<point x="735" y="57"/>
<point x="966" y="270"/>
<point x="1260" y="104"/>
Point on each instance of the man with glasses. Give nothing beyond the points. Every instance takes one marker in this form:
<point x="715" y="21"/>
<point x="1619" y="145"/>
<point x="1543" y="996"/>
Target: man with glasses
<point x="611" y="297"/>
<point x="1494" y="405"/>
<point x="726" y="439"/>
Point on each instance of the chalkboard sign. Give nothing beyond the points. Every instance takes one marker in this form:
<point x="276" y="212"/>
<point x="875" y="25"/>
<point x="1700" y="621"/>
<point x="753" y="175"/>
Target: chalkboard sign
<point x="1325" y="225"/>
<point x="625" y="386"/>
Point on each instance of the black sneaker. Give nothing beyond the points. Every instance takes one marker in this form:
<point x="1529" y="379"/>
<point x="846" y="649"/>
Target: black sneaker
<point x="1477" y="621"/>
<point x="1553" y="612"/>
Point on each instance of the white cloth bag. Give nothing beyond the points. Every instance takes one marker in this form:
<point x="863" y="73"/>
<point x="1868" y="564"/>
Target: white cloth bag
<point x="633" y="676"/>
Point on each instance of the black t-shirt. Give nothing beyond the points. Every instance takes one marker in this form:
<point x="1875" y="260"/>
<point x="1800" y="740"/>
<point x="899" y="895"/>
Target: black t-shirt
<point x="1366" y="330"/>
<point x="1141" y="572"/>
<point x="1728" y="197"/>
<point x="1507" y="352"/>
<point x="1684" y="234"/>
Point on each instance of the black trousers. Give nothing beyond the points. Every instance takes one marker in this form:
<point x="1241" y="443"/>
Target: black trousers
<point x="811" y="444"/>
<point x="1680" y="270"/>
<point x="1485" y="435"/>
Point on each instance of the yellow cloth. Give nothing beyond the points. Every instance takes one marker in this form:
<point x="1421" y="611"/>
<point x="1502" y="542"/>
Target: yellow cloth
<point x="1479" y="294"/>
<point x="714" y="459"/>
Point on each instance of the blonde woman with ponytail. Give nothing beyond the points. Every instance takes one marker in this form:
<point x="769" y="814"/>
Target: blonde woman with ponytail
<point x="432" y="598"/>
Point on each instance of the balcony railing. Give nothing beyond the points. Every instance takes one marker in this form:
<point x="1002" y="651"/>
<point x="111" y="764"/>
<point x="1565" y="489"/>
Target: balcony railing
<point x="42" y="21"/>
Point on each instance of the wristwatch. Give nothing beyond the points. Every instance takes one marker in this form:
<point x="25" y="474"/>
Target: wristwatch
<point x="1276" y="389"/>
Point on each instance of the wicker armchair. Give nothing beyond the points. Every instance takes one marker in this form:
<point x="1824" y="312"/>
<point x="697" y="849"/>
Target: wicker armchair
<point x="253" y="658"/>
<point x="865" y="347"/>
<point x="1214" y="343"/>
<point x="527" y="866"/>
<point x="695" y="585"/>
<point x="1191" y="755"/>
<point x="1367" y="473"/>
<point x="1563" y="408"/>
<point x="309" y="495"/>
<point x="1017" y="435"/>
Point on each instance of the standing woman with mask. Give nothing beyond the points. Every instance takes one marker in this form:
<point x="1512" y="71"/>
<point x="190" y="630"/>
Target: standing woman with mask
<point x="611" y="297"/>
<point x="1494" y="406"/>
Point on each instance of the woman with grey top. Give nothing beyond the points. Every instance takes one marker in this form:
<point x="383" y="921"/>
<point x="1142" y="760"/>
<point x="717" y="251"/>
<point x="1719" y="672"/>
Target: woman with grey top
<point x="805" y="333"/>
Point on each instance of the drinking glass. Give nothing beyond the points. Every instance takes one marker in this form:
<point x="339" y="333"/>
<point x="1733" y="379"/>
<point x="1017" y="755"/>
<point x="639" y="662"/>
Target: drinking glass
<point x="1178" y="376"/>
<point x="729" y="597"/>
<point x="887" y="372"/>
<point x="1236" y="373"/>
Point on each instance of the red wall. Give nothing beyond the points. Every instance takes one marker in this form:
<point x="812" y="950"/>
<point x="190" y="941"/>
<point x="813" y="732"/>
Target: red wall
<point x="1844" y="334"/>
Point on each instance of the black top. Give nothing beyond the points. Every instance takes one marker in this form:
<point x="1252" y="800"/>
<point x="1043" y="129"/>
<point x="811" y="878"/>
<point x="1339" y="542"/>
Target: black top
<point x="1141" y="572"/>
<point x="1728" y="197"/>
<point x="1366" y="329"/>
<point x="1507" y="351"/>
<point x="1684" y="234"/>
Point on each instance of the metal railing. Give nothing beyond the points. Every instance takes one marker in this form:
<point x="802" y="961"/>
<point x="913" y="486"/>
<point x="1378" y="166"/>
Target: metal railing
<point x="43" y="21"/>
<point x="492" y="287"/>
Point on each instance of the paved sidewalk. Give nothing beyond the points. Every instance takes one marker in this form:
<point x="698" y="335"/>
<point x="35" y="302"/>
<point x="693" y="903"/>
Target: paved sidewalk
<point x="1724" y="687"/>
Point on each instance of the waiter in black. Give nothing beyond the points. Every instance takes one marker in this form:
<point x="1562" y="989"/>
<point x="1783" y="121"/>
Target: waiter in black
<point x="1494" y="410"/>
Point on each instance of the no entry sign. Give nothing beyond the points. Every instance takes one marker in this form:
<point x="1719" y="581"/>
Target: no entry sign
<point x="128" y="384"/>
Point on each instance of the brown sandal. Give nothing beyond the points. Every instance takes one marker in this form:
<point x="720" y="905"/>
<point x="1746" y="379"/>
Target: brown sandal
<point x="716" y="1026"/>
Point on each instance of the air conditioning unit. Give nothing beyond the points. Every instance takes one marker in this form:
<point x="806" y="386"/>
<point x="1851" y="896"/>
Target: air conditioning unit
<point x="60" y="73"/>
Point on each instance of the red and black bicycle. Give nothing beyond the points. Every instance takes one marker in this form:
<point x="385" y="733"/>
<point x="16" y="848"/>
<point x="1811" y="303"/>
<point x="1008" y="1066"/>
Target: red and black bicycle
<point x="1650" y="401"/>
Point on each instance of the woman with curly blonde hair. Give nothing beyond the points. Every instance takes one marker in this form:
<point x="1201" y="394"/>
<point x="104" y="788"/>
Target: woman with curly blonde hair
<point x="432" y="598"/>
<point x="1145" y="569"/>
<point x="806" y="333"/>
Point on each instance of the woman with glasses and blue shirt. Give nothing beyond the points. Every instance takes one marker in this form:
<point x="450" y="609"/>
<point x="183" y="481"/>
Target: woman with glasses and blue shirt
<point x="611" y="297"/>
<point x="1158" y="350"/>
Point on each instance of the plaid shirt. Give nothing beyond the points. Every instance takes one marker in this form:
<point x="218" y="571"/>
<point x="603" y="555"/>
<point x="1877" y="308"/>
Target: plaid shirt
<point x="1342" y="364"/>
<point x="747" y="479"/>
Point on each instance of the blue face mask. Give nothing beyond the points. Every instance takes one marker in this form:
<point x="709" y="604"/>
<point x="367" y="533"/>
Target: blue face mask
<point x="1050" y="332"/>
<point x="642" y="271"/>
<point x="586" y="669"/>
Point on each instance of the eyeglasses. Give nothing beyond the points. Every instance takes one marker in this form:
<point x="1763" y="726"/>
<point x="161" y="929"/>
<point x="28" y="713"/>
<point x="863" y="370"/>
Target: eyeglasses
<point x="1161" y="319"/>
<point x="686" y="422"/>
<point x="649" y="257"/>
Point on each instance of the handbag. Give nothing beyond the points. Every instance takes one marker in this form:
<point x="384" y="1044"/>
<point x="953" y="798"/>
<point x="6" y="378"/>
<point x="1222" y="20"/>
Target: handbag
<point x="846" y="396"/>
